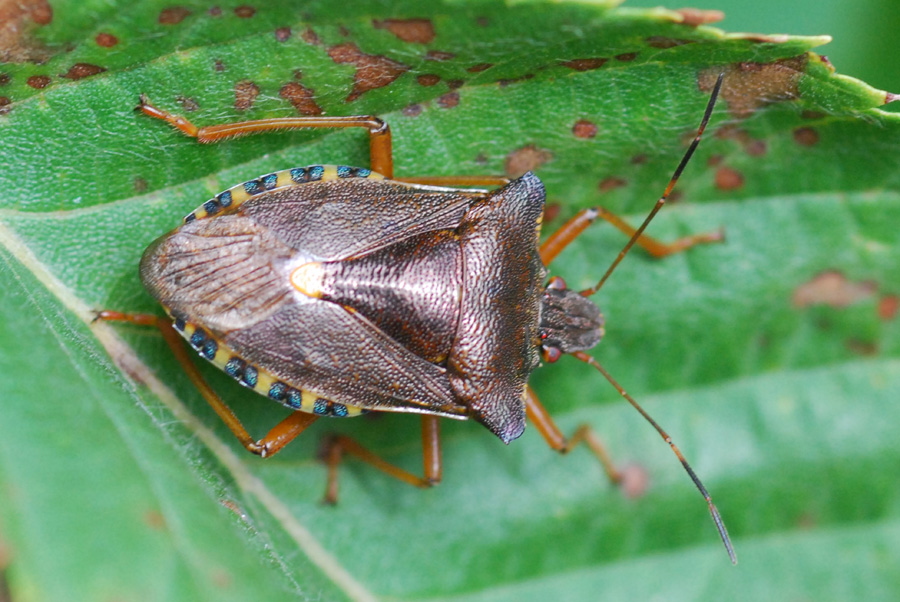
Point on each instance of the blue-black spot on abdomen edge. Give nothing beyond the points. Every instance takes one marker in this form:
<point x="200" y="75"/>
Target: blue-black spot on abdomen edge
<point x="235" y="367"/>
<point x="253" y="187"/>
<point x="250" y="377"/>
<point x="278" y="391"/>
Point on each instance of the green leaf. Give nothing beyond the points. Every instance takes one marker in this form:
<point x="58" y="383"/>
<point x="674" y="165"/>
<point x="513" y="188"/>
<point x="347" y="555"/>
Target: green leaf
<point x="772" y="359"/>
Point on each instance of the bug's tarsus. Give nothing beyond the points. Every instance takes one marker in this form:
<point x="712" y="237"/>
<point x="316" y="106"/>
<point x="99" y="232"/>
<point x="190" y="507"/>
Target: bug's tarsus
<point x="717" y="518"/>
<point x="662" y="200"/>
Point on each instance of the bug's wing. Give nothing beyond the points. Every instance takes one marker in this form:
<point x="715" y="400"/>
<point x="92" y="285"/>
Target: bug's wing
<point x="224" y="273"/>
<point x="321" y="347"/>
<point x="337" y="219"/>
<point x="231" y="276"/>
<point x="497" y="340"/>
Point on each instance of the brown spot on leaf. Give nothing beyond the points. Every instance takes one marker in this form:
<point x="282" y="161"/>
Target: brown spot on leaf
<point x="696" y="16"/>
<point x="888" y="306"/>
<point x="749" y="86"/>
<point x="527" y="158"/>
<point x="172" y="15"/>
<point x="82" y="70"/>
<point x="215" y="11"/>
<point x="5" y="79"/>
<point x="106" y="40"/>
<point x="218" y="65"/>
<point x="310" y="37"/>
<point x="301" y="97"/>
<point x="752" y="146"/>
<point x="140" y="185"/>
<point x="372" y="71"/>
<point x="626" y="57"/>
<point x="428" y="79"/>
<point x="5" y="103"/>
<point x="714" y="160"/>
<point x="245" y="93"/>
<point x="17" y="21"/>
<point x="862" y="347"/>
<point x="448" y="100"/>
<point x="832" y="288"/>
<point x="38" y="82"/>
<point x="283" y="34"/>
<point x="728" y="178"/>
<point x="438" y="55"/>
<point x="584" y="129"/>
<point x="611" y="183"/>
<point x="418" y="31"/>
<point x="756" y="148"/>
<point x="479" y="67"/>
<point x="639" y="159"/>
<point x="412" y="110"/>
<point x="506" y="82"/>
<point x="245" y="11"/>
<point x="806" y="136"/>
<point x="663" y="42"/>
<point x="584" y="64"/>
<point x="454" y="84"/>
<point x="154" y="519"/>
<point x="810" y="114"/>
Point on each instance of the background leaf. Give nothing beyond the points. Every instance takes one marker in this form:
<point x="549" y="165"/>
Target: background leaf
<point x="771" y="359"/>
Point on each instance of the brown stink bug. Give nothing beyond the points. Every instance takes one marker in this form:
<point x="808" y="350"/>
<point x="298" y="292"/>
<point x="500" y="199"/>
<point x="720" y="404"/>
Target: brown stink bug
<point x="341" y="290"/>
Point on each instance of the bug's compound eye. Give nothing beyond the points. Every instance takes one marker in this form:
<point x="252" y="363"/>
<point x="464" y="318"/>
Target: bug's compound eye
<point x="557" y="283"/>
<point x="551" y="354"/>
<point x="308" y="279"/>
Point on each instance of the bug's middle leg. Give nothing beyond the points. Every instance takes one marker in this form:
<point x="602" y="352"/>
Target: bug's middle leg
<point x="339" y="445"/>
<point x="283" y="433"/>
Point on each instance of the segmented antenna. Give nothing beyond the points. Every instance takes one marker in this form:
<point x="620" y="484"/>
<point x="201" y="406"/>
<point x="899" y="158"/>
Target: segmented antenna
<point x="584" y="357"/>
<point x="662" y="200"/>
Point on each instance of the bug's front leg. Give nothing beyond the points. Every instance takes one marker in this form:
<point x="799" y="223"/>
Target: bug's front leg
<point x="283" y="433"/>
<point x="538" y="416"/>
<point x="338" y="445"/>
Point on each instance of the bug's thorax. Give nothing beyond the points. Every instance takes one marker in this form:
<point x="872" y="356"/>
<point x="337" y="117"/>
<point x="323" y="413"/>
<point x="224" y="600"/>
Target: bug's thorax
<point x="569" y="321"/>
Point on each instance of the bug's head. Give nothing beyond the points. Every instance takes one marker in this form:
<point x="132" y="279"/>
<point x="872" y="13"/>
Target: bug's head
<point x="569" y="321"/>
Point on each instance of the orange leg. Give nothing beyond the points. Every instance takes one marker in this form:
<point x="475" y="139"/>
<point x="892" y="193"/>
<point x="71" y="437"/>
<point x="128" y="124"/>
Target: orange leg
<point x="339" y="445"/>
<point x="283" y="433"/>
<point x="570" y="230"/>
<point x="379" y="132"/>
<point x="540" y="418"/>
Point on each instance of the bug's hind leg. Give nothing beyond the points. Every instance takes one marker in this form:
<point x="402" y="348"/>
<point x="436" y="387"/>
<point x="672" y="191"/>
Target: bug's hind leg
<point x="339" y="445"/>
<point x="283" y="433"/>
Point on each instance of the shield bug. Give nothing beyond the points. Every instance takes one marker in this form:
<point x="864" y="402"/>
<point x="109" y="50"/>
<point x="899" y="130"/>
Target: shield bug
<point x="339" y="290"/>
